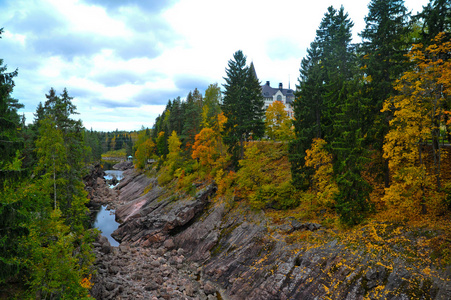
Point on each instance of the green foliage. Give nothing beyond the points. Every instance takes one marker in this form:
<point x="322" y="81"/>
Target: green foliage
<point x="117" y="154"/>
<point x="13" y="226"/>
<point x="211" y="106"/>
<point x="242" y="106"/>
<point x="436" y="18"/>
<point x="329" y="64"/>
<point x="10" y="121"/>
<point x="144" y="151"/>
<point x="172" y="166"/>
<point x="382" y="52"/>
<point x="55" y="270"/>
<point x="193" y="118"/>
<point x="274" y="196"/>
<point x="264" y="176"/>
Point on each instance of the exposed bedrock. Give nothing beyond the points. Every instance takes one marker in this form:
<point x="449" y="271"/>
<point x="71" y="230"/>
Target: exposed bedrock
<point x="244" y="256"/>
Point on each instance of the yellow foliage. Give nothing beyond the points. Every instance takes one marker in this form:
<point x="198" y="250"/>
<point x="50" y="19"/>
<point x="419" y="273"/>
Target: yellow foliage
<point x="278" y="124"/>
<point x="418" y="112"/>
<point x="323" y="184"/>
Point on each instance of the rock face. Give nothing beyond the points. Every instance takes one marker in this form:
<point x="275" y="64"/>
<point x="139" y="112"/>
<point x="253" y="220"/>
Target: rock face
<point x="154" y="218"/>
<point x="237" y="252"/>
<point x="98" y="191"/>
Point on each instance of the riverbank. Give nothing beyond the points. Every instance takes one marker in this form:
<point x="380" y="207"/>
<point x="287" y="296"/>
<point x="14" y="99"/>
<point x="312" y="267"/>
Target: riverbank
<point x="141" y="271"/>
<point x="178" y="239"/>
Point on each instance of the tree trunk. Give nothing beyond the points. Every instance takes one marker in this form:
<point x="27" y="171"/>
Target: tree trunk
<point x="423" y="200"/>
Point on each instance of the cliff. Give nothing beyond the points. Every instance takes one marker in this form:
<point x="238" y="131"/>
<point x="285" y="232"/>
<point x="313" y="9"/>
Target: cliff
<point x="246" y="255"/>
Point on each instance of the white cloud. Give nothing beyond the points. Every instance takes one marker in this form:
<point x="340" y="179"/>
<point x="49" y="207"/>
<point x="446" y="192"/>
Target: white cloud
<point x="123" y="60"/>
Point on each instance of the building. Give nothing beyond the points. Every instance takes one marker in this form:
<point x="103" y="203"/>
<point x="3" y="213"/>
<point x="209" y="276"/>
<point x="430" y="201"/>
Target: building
<point x="286" y="96"/>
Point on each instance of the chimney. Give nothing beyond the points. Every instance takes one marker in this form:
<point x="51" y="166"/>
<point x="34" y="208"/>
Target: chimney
<point x="280" y="86"/>
<point x="267" y="83"/>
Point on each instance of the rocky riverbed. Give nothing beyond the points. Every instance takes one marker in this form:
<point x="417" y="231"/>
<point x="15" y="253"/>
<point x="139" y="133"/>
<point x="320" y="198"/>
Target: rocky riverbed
<point x="177" y="246"/>
<point x="140" y="271"/>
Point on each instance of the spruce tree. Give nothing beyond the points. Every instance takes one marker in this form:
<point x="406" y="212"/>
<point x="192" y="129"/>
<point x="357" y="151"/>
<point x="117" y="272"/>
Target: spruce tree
<point x="307" y="107"/>
<point x="385" y="43"/>
<point x="436" y="18"/>
<point x="350" y="157"/>
<point x="242" y="105"/>
<point x="329" y="64"/>
<point x="69" y="188"/>
<point x="192" y="117"/>
<point x="9" y="118"/>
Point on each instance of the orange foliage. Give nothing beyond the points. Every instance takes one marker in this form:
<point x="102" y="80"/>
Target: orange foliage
<point x="205" y="147"/>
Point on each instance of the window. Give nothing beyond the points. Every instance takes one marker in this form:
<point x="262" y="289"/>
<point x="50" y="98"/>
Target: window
<point x="279" y="98"/>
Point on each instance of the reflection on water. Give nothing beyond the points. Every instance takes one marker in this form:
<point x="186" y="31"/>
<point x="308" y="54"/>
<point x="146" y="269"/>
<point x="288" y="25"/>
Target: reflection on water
<point x="106" y="223"/>
<point x="114" y="173"/>
<point x="113" y="177"/>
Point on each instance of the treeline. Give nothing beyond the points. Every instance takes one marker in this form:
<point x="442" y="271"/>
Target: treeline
<point x="102" y="142"/>
<point x="370" y="122"/>
<point x="45" y="240"/>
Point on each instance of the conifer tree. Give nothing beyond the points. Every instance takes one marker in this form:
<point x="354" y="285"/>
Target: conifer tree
<point x="9" y="118"/>
<point x="192" y="117"/>
<point x="436" y="18"/>
<point x="385" y="43"/>
<point x="329" y="64"/>
<point x="307" y="108"/>
<point x="242" y="106"/>
<point x="350" y="157"/>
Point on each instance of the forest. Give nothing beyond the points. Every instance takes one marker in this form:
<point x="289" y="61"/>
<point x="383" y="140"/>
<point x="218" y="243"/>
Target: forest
<point x="370" y="140"/>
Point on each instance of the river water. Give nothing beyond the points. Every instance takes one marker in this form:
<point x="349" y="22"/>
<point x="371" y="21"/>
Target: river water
<point x="106" y="223"/>
<point x="105" y="219"/>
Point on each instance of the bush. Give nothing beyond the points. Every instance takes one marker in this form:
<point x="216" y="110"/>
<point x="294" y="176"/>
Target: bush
<point x="275" y="196"/>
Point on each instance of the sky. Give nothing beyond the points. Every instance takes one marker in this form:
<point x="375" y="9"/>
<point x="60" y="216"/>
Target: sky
<point x="122" y="60"/>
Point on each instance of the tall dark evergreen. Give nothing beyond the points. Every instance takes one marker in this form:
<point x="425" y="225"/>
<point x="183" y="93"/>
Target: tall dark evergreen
<point x="308" y="110"/>
<point x="10" y="121"/>
<point x="192" y="118"/>
<point x="338" y="62"/>
<point x="176" y="117"/>
<point x="351" y="156"/>
<point x="12" y="218"/>
<point x="385" y="43"/>
<point x="242" y="105"/>
<point x="322" y="88"/>
<point x="436" y="18"/>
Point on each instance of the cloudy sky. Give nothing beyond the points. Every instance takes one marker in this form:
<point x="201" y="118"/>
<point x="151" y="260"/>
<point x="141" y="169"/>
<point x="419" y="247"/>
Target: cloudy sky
<point x="122" y="60"/>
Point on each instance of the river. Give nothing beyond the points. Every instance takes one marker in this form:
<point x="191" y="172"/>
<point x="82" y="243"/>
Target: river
<point x="105" y="219"/>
